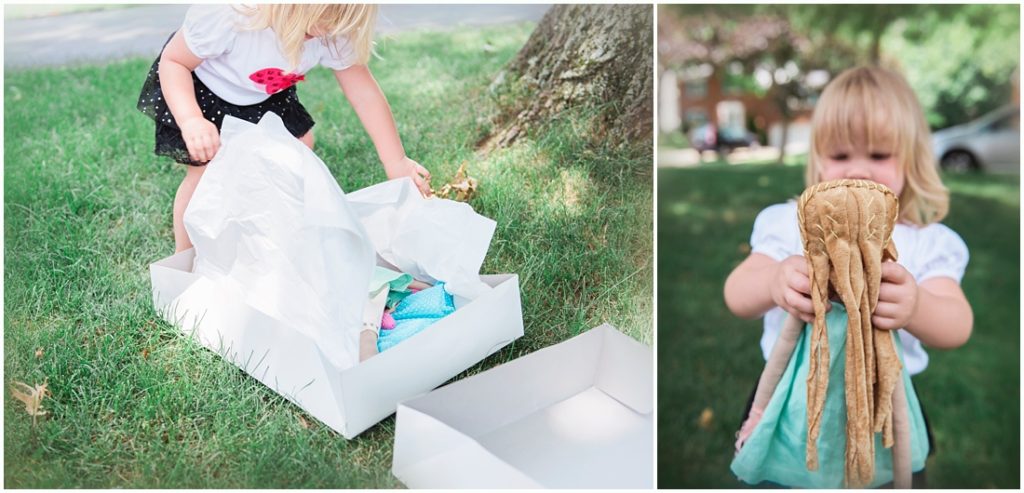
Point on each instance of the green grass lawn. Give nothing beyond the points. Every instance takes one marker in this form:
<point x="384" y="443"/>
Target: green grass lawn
<point x="709" y="360"/>
<point x="88" y="207"/>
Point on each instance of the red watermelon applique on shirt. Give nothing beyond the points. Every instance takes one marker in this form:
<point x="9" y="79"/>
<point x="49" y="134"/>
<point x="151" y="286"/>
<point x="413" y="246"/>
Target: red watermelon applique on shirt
<point x="275" y="80"/>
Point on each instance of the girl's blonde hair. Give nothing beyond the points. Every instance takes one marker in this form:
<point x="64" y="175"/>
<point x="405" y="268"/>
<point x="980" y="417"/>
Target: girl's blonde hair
<point x="291" y="22"/>
<point x="871" y="106"/>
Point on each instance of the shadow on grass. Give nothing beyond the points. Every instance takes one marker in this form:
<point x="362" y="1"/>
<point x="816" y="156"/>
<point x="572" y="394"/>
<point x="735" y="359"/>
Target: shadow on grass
<point x="709" y="361"/>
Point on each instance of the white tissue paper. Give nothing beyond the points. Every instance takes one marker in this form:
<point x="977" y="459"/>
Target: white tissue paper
<point x="269" y="221"/>
<point x="432" y="239"/>
<point x="270" y="224"/>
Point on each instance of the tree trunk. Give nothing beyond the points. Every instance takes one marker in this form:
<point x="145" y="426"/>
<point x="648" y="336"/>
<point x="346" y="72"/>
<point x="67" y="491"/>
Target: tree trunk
<point x="582" y="56"/>
<point x="781" y="99"/>
<point x="876" y="45"/>
<point x="785" y="137"/>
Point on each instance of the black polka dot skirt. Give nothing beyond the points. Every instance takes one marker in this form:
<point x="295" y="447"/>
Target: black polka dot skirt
<point x="168" y="136"/>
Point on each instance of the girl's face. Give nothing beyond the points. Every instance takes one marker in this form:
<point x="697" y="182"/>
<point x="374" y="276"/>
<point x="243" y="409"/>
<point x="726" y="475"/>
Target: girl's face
<point x="879" y="165"/>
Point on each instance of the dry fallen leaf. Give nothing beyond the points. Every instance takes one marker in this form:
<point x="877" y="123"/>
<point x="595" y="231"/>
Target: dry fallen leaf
<point x="461" y="188"/>
<point x="729" y="216"/>
<point x="32" y="397"/>
<point x="707" y="416"/>
<point x="145" y="353"/>
<point x="39" y="352"/>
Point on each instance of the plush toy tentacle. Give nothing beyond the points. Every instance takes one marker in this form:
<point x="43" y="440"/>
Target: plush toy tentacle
<point x="778" y="359"/>
<point x="902" y="475"/>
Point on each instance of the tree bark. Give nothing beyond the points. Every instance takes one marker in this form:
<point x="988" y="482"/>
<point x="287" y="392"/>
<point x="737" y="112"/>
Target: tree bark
<point x="579" y="56"/>
<point x="785" y="138"/>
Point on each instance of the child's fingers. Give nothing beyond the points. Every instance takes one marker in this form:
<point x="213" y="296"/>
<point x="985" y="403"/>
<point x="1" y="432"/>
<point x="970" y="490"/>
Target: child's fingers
<point x="884" y="323"/>
<point x="806" y="317"/>
<point x="422" y="185"/>
<point x="420" y="170"/>
<point x="215" y="145"/>
<point x="799" y="302"/>
<point x="197" y="149"/>
<point x="895" y="291"/>
<point x="201" y="150"/>
<point x="886" y="309"/>
<point x="800" y="265"/>
<point x="800" y="283"/>
<point x="211" y="146"/>
<point x="193" y="151"/>
<point x="895" y="273"/>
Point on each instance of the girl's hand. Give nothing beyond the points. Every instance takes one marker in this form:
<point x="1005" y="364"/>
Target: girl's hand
<point x="897" y="298"/>
<point x="201" y="138"/>
<point x="791" y="288"/>
<point x="407" y="167"/>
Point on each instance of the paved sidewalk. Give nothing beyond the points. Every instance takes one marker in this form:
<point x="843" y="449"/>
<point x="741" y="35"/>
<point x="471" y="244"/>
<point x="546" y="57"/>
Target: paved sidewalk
<point x="141" y="30"/>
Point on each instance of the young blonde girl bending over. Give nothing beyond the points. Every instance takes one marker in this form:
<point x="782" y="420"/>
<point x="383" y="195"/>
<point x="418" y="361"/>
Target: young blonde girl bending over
<point x="867" y="125"/>
<point x="244" y="62"/>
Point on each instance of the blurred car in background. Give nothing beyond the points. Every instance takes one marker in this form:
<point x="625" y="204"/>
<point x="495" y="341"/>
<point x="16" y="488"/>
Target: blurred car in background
<point x="724" y="141"/>
<point x="990" y="143"/>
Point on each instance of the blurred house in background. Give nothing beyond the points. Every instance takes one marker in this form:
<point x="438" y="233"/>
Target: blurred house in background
<point x="746" y="75"/>
<point x="714" y="101"/>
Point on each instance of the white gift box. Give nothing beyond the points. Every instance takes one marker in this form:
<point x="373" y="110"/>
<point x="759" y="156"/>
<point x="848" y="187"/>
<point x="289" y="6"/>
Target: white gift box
<point x="578" y="414"/>
<point x="349" y="400"/>
<point x="279" y="279"/>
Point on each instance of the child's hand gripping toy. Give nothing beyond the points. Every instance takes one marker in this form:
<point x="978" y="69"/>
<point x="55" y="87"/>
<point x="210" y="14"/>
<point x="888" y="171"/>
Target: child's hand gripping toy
<point x="846" y="226"/>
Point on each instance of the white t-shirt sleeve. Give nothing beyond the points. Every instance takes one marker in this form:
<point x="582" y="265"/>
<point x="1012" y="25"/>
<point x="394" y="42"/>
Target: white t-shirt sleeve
<point x="337" y="55"/>
<point x="943" y="254"/>
<point x="210" y="30"/>
<point x="776" y="232"/>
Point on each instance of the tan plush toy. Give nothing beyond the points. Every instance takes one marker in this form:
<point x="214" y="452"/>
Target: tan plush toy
<point x="847" y="226"/>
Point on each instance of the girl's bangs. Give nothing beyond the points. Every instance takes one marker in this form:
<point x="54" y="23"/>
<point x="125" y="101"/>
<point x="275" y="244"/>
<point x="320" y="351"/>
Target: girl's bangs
<point x="857" y="117"/>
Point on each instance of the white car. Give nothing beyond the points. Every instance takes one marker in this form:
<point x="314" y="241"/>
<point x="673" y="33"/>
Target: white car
<point x="990" y="143"/>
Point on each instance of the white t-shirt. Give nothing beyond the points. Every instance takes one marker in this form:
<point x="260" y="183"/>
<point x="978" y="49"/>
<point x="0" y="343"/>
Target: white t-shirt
<point x="233" y="56"/>
<point x="926" y="252"/>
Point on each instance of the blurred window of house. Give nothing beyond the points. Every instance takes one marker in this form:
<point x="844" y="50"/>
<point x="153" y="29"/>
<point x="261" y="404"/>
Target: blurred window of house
<point x="695" y="117"/>
<point x="696" y="89"/>
<point x="695" y="81"/>
<point x="732" y="115"/>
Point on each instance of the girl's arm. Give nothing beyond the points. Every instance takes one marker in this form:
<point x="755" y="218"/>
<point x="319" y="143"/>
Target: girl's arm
<point x="944" y="319"/>
<point x="935" y="311"/>
<point x="176" y="65"/>
<point x="372" y="107"/>
<point x="760" y="283"/>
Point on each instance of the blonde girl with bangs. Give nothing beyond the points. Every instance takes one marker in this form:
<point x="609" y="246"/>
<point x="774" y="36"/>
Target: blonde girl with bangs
<point x="867" y="125"/>
<point x="245" y="61"/>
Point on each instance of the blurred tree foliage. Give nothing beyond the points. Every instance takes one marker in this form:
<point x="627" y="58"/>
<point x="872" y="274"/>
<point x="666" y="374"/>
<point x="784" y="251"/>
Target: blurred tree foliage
<point x="962" y="60"/>
<point x="962" y="64"/>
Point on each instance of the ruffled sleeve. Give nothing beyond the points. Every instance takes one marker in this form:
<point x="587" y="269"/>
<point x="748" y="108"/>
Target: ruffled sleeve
<point x="210" y="30"/>
<point x="337" y="55"/>
<point x="776" y="233"/>
<point x="942" y="253"/>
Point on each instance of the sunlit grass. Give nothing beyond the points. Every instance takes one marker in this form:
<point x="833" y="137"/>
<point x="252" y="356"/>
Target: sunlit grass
<point x="88" y="207"/>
